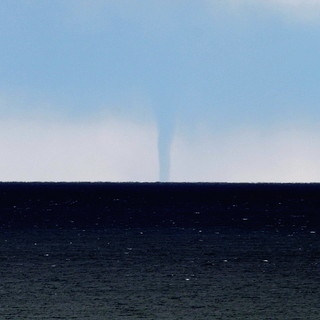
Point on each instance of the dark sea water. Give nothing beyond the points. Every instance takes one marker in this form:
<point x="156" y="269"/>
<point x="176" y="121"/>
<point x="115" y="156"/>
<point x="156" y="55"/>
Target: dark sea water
<point x="198" y="256"/>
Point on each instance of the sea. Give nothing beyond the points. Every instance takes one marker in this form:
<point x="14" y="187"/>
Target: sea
<point x="159" y="251"/>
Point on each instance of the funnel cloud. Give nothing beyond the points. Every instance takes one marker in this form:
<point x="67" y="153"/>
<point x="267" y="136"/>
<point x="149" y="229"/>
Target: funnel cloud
<point x="165" y="138"/>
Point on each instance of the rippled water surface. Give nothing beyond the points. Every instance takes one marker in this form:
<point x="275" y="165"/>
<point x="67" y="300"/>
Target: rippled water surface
<point x="160" y="274"/>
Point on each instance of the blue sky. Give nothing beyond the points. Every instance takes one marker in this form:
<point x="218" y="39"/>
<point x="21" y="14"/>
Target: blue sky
<point x="224" y="90"/>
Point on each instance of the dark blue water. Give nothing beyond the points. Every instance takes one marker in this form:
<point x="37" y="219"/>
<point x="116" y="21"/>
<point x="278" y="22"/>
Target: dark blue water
<point x="67" y="205"/>
<point x="156" y="251"/>
<point x="149" y="273"/>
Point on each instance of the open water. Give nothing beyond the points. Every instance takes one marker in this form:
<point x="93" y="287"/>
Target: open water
<point x="159" y="251"/>
<point x="160" y="273"/>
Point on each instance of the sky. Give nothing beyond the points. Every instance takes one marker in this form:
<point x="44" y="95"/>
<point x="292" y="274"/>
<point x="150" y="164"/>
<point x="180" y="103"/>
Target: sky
<point x="158" y="90"/>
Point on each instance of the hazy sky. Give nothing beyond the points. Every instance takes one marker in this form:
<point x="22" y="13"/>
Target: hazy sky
<point x="93" y="90"/>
